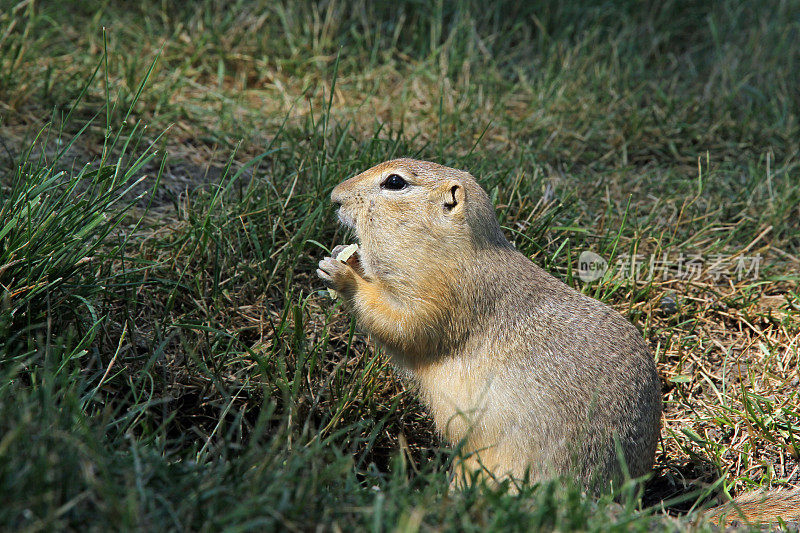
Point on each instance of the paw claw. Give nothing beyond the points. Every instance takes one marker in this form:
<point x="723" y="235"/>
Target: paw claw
<point x="325" y="277"/>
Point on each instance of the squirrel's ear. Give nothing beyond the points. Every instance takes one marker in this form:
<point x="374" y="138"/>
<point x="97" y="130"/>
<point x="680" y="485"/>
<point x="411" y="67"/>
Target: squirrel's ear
<point x="453" y="197"/>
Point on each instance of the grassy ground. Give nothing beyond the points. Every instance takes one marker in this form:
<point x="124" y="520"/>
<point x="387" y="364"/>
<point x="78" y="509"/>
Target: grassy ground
<point x="166" y="358"/>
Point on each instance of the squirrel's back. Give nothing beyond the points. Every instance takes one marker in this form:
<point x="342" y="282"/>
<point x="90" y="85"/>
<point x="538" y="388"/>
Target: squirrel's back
<point x="553" y="376"/>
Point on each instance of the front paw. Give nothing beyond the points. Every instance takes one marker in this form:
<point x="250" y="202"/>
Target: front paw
<point x="337" y="275"/>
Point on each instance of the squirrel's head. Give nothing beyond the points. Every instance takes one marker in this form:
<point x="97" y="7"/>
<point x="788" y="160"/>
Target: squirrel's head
<point x="407" y="211"/>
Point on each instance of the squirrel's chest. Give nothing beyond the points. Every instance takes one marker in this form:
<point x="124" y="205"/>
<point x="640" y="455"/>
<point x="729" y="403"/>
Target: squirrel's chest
<point x="460" y="396"/>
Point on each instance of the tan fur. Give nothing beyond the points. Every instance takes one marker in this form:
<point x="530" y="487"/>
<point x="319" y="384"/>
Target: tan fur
<point x="758" y="508"/>
<point x="527" y="373"/>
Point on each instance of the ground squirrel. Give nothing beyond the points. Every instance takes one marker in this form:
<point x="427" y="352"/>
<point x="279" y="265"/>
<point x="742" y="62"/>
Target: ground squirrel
<point x="527" y="373"/>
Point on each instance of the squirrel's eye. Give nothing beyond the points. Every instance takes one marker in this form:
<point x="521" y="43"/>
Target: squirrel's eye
<point x="393" y="182"/>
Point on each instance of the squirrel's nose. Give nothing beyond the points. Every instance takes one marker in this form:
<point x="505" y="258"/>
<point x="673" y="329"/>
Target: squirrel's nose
<point x="339" y="192"/>
<point x="336" y="195"/>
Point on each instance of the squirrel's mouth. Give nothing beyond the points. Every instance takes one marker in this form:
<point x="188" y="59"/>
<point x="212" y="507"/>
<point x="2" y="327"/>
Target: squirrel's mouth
<point x="345" y="219"/>
<point x="348" y="222"/>
<point x="357" y="260"/>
